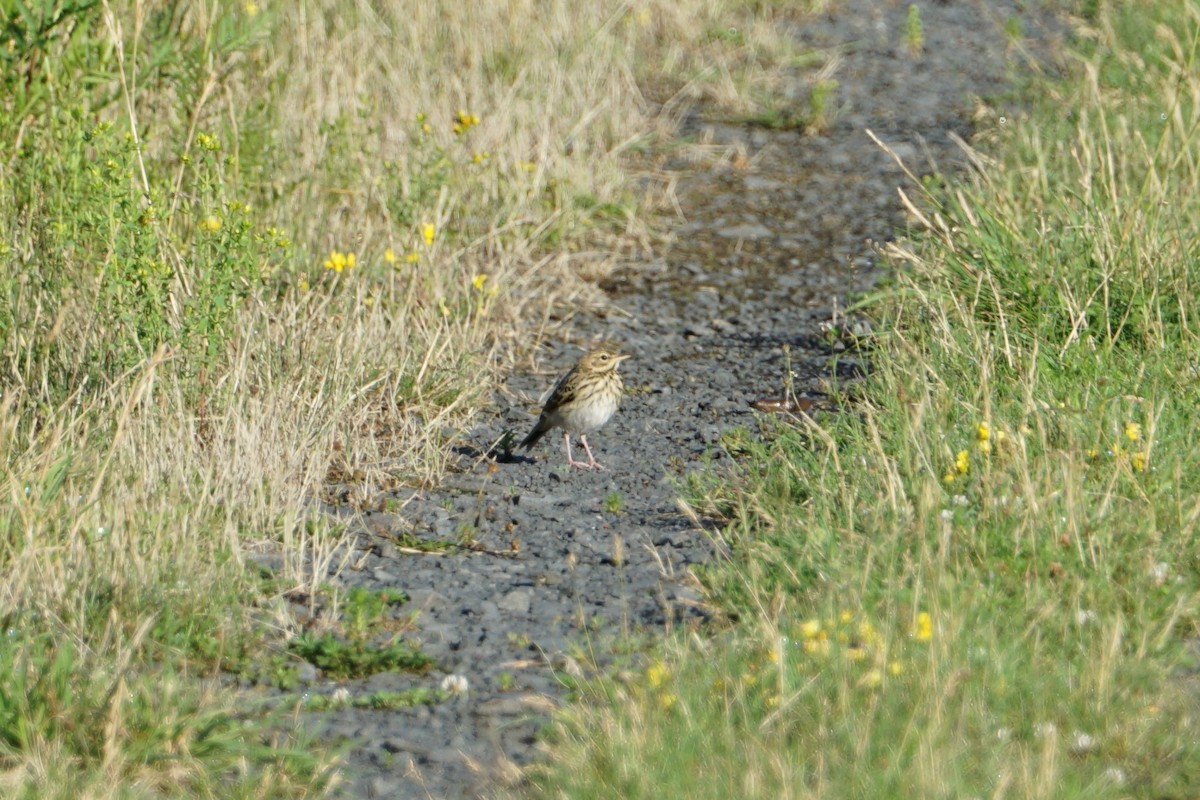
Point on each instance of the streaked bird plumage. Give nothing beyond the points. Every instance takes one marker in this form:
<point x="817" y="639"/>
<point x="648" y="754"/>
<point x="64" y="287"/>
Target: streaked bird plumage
<point x="582" y="400"/>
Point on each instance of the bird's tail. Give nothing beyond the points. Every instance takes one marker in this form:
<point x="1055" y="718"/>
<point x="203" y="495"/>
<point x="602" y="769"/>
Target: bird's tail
<point x="537" y="433"/>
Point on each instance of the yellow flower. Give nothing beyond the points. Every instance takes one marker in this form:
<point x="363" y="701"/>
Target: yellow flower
<point x="846" y="617"/>
<point x="667" y="701"/>
<point x="338" y="261"/>
<point x="210" y="224"/>
<point x="983" y="432"/>
<point x="281" y="239"/>
<point x="856" y="653"/>
<point x="479" y="280"/>
<point x="210" y="143"/>
<point x="923" y="630"/>
<point x="480" y="157"/>
<point x="251" y="8"/>
<point x="389" y="256"/>
<point x="428" y="232"/>
<point x="528" y="166"/>
<point x="895" y="668"/>
<point x="464" y="121"/>
<point x="962" y="462"/>
<point x="1093" y="452"/>
<point x="949" y="477"/>
<point x="819" y="646"/>
<point x="810" y="629"/>
<point x="985" y="447"/>
<point x="412" y="257"/>
<point x="303" y="284"/>
<point x="871" y="679"/>
<point x="1133" y="431"/>
<point x="657" y="674"/>
<point x="1138" y="462"/>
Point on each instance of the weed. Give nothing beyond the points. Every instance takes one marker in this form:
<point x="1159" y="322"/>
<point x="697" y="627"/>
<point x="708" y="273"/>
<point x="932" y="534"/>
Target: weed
<point x="340" y="659"/>
<point x="614" y="503"/>
<point x="914" y="31"/>
<point x="377" y="701"/>
<point x="363" y="608"/>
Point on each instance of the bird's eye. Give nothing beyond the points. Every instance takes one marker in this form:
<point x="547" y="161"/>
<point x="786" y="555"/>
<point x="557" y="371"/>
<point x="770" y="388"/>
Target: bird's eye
<point x="604" y="356"/>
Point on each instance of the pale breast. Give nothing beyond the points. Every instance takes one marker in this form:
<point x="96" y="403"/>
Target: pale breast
<point x="585" y="417"/>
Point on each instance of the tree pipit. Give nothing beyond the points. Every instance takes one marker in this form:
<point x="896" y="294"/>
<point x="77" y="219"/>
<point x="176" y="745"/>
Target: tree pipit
<point x="583" y="400"/>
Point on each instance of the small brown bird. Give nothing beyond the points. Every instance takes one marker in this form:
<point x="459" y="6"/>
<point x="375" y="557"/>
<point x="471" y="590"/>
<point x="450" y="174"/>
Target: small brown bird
<point x="583" y="400"/>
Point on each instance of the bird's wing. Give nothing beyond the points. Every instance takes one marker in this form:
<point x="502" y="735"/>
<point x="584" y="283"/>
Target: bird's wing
<point x="562" y="392"/>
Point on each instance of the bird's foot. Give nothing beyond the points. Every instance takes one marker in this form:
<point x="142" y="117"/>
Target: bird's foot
<point x="593" y="464"/>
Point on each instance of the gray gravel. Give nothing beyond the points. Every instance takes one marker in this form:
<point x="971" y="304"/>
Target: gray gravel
<point x="765" y="252"/>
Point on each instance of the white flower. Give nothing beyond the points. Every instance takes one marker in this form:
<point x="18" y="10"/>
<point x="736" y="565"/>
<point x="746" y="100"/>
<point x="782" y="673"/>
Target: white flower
<point x="1082" y="743"/>
<point x="1115" y="775"/>
<point x="455" y="684"/>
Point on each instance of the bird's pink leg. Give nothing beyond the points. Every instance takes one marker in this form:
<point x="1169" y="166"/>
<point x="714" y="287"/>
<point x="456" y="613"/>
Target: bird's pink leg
<point x="592" y="462"/>
<point x="571" y="461"/>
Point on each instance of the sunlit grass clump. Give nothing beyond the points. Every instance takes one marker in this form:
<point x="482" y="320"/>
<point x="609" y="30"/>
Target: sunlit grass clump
<point x="1010" y="505"/>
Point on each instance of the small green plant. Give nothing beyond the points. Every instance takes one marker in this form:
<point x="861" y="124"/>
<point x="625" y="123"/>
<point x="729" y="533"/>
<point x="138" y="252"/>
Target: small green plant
<point x="914" y="31"/>
<point x="1014" y="30"/>
<point x="362" y="608"/>
<point x="341" y="659"/>
<point x="820" y="111"/>
<point x="614" y="503"/>
<point x="467" y="534"/>
<point x="377" y="701"/>
<point x="507" y="681"/>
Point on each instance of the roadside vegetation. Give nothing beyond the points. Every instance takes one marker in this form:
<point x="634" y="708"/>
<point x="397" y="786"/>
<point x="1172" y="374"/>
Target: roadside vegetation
<point x="981" y="577"/>
<point x="253" y="255"/>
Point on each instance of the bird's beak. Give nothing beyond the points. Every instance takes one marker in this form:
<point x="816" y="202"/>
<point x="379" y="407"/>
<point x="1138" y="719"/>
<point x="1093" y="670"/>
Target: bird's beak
<point x="622" y="357"/>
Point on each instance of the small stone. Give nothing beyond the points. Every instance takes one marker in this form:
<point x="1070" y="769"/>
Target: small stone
<point x="398" y="745"/>
<point x="517" y="601"/>
<point x="307" y="673"/>
<point x="749" y="230"/>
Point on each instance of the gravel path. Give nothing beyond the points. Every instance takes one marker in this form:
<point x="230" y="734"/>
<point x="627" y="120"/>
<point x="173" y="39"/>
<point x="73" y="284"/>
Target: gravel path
<point x="768" y="245"/>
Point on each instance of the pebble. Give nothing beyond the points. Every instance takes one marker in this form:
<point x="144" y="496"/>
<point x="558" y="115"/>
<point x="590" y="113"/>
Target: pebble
<point x="749" y="230"/>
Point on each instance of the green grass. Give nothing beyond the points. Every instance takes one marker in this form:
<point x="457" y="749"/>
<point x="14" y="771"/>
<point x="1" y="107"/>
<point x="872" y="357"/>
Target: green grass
<point x="981" y="579"/>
